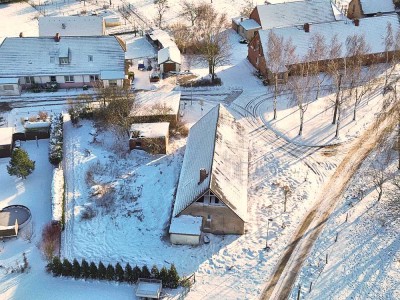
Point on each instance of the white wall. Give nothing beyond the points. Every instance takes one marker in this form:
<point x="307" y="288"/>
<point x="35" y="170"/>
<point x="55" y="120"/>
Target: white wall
<point x="181" y="239"/>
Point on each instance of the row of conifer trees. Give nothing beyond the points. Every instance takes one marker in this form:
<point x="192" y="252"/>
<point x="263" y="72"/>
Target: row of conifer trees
<point x="85" y="270"/>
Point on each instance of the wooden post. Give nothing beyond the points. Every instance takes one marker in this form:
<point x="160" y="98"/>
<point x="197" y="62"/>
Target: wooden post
<point x="310" y="287"/>
<point x="337" y="234"/>
<point x="298" y="292"/>
<point x="347" y="216"/>
<point x="326" y="259"/>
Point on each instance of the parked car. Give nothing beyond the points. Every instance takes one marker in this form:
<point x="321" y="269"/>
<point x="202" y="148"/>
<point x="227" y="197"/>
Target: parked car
<point x="243" y="41"/>
<point x="154" y="77"/>
<point x="141" y="66"/>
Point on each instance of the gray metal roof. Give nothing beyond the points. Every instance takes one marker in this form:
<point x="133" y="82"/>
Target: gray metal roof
<point x="31" y="56"/>
<point x="217" y="143"/>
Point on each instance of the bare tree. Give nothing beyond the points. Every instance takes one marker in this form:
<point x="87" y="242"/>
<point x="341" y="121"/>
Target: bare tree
<point x="212" y="39"/>
<point x="161" y="7"/>
<point x="278" y="56"/>
<point x="192" y="11"/>
<point x="183" y="36"/>
<point x="301" y="87"/>
<point x="247" y="8"/>
<point x="317" y="53"/>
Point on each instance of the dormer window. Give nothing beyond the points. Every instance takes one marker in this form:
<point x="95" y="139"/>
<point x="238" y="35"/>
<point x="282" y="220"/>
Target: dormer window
<point x="64" y="60"/>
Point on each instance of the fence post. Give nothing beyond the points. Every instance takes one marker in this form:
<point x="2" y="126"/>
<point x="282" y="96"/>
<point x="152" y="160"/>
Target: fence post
<point x="298" y="292"/>
<point x="310" y="287"/>
<point x="326" y="259"/>
<point x="337" y="234"/>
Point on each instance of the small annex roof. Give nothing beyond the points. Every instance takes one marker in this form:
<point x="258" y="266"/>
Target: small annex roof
<point x="238" y="20"/>
<point x="295" y="13"/>
<point x="150" y="130"/>
<point x="186" y="225"/>
<point x="6" y="136"/>
<point x="8" y="80"/>
<point x="39" y="56"/>
<point x="216" y="143"/>
<point x="169" y="54"/>
<point x="377" y="6"/>
<point x="71" y="25"/>
<point x="162" y="37"/>
<point x="156" y="103"/>
<point x="373" y="29"/>
<point x="112" y="75"/>
<point x="250" y="24"/>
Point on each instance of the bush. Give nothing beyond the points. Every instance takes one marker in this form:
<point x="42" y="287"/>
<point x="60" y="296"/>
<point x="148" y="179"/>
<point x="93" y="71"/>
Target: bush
<point x="154" y="272"/>
<point x="85" y="269"/>
<point x="110" y="272"/>
<point x="20" y="165"/>
<point x="76" y="269"/>
<point x="119" y="273"/>
<point x="51" y="238"/>
<point x="203" y="82"/>
<point x="93" y="271"/>
<point x="145" y="272"/>
<point x="101" y="271"/>
<point x="66" y="268"/>
<point x="173" y="277"/>
<point x="56" y="266"/>
<point x="88" y="213"/>
<point x="137" y="273"/>
<point x="164" y="276"/>
<point x="128" y="275"/>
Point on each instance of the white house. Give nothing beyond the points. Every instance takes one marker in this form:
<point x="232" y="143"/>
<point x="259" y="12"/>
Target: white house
<point x="71" y="26"/>
<point x="9" y="86"/>
<point x="70" y="62"/>
<point x="169" y="59"/>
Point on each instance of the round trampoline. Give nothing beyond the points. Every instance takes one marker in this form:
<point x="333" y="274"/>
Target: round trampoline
<point x="10" y="215"/>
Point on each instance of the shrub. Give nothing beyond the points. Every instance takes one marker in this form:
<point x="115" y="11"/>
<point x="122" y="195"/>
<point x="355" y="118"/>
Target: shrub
<point x="93" y="271"/>
<point x="145" y="272"/>
<point x="119" y="273"/>
<point x="137" y="273"/>
<point x="164" y="276"/>
<point x="76" y="269"/>
<point x="85" y="269"/>
<point x="51" y="237"/>
<point x="110" y="272"/>
<point x="56" y="266"/>
<point x="154" y="272"/>
<point x="88" y="213"/>
<point x="66" y="268"/>
<point x="173" y="277"/>
<point x="20" y="165"/>
<point x="128" y="274"/>
<point x="56" y="139"/>
<point x="101" y="271"/>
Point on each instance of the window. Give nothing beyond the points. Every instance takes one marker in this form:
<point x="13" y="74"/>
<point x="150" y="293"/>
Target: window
<point x="201" y="200"/>
<point x="94" y="77"/>
<point x="53" y="79"/>
<point x="90" y="57"/>
<point x="29" y="79"/>
<point x="8" y="87"/>
<point x="208" y="218"/>
<point x="69" y="78"/>
<point x="64" y="60"/>
<point x="52" y="59"/>
<point x="112" y="82"/>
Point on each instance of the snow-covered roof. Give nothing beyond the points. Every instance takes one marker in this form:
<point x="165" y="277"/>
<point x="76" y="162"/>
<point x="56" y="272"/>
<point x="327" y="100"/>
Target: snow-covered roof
<point x="153" y="103"/>
<point x="377" y="6"/>
<point x="237" y="20"/>
<point x="295" y="13"/>
<point x="250" y="24"/>
<point x="39" y="56"/>
<point x="170" y="53"/>
<point x="112" y="75"/>
<point x="8" y="80"/>
<point x="373" y="29"/>
<point x="162" y="37"/>
<point x="71" y="25"/>
<point x="150" y="288"/>
<point x="216" y="143"/>
<point x="186" y="224"/>
<point x="151" y="130"/>
<point x="6" y="135"/>
<point x="35" y="125"/>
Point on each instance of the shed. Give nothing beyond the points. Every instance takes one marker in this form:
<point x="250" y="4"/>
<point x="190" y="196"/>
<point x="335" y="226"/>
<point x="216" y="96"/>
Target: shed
<point x="112" y="78"/>
<point x="148" y="288"/>
<point x="169" y="59"/>
<point x="9" y="86"/>
<point x="150" y="137"/>
<point x="185" y="230"/>
<point x="6" y="141"/>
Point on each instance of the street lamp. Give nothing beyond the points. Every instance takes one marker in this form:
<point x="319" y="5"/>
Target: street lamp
<point x="266" y="240"/>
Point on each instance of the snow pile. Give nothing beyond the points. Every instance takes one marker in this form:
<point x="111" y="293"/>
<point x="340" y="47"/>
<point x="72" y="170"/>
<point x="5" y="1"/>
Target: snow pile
<point x="57" y="194"/>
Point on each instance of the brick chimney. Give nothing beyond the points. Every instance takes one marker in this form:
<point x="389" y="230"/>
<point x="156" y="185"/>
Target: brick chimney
<point x="306" y="27"/>
<point x="57" y="37"/>
<point x="356" y="22"/>
<point x="21" y="34"/>
<point x="203" y="175"/>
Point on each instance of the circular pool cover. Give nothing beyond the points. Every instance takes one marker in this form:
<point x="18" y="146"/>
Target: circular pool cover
<point x="8" y="216"/>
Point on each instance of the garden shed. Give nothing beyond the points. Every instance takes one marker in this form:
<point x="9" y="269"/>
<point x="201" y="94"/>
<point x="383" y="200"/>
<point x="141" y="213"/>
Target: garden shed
<point x="6" y="141"/>
<point x="10" y="86"/>
<point x="148" y="288"/>
<point x="185" y="230"/>
<point x="169" y="59"/>
<point x="150" y="137"/>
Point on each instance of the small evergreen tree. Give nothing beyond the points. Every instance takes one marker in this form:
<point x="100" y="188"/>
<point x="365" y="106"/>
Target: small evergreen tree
<point x="154" y="272"/>
<point x="110" y="272"/>
<point x="137" y="273"/>
<point x="20" y="165"/>
<point x="145" y="272"/>
<point x="164" y="276"/>
<point x="119" y="273"/>
<point x="66" y="268"/>
<point x="173" y="277"/>
<point x="57" y="266"/>
<point x="94" y="272"/>
<point x="85" y="270"/>
<point x="128" y="275"/>
<point x="76" y="269"/>
<point x="101" y="271"/>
